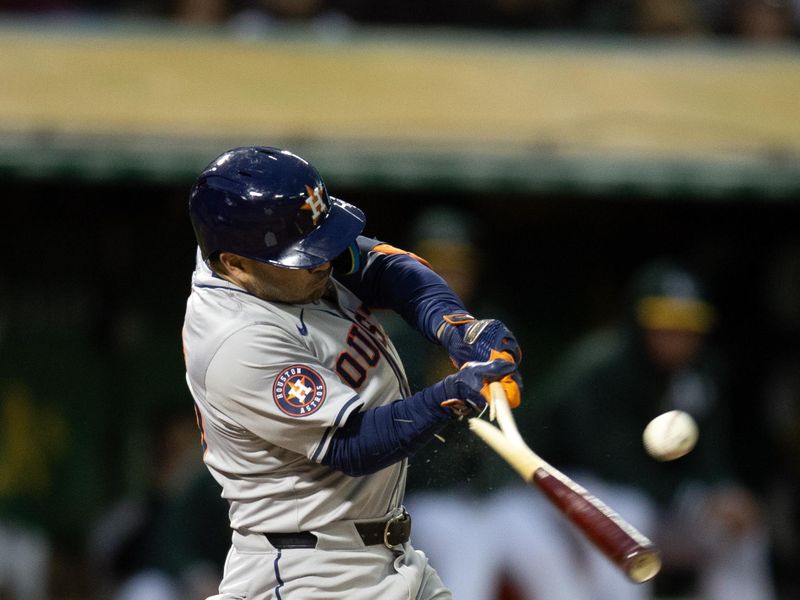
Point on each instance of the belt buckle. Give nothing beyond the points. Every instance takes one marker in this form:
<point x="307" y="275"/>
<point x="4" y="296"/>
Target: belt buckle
<point x="404" y="520"/>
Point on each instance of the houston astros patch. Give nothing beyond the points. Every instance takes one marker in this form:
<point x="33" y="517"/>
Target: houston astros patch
<point x="299" y="390"/>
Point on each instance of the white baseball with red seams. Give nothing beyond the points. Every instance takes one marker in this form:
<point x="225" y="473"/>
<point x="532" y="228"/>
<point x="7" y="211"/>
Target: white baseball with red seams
<point x="670" y="435"/>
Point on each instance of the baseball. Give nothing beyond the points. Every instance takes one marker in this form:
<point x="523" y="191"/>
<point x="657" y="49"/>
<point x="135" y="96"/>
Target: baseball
<point x="670" y="435"/>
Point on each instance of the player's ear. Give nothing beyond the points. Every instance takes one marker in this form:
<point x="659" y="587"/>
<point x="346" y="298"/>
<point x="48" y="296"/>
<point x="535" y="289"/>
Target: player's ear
<point x="231" y="263"/>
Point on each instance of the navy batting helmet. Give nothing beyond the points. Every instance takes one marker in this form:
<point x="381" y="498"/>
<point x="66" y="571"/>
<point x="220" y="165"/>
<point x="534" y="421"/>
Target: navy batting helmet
<point x="272" y="206"/>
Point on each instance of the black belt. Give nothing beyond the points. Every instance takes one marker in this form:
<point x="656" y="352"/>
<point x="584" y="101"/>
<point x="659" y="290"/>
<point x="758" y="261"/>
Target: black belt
<point x="392" y="532"/>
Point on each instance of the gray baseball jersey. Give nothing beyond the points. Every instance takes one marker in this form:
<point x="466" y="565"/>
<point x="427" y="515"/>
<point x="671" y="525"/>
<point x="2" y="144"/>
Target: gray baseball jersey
<point x="271" y="383"/>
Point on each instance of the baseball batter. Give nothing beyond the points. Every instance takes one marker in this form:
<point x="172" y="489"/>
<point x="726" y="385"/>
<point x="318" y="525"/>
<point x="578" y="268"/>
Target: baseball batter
<point x="306" y="417"/>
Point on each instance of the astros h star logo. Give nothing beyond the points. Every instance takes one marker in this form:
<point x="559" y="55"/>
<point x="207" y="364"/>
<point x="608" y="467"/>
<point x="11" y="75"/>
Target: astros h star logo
<point x="315" y="203"/>
<point x="299" y="391"/>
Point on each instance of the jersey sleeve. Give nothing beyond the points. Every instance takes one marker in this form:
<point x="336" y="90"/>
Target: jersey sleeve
<point x="387" y="277"/>
<point x="271" y="385"/>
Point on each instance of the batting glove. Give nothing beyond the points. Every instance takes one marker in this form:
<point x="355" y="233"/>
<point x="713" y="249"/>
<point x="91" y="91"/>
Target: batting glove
<point x="467" y="390"/>
<point x="468" y="339"/>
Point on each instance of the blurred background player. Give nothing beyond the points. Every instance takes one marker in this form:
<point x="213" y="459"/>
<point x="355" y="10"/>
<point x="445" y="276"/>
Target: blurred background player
<point x="461" y="493"/>
<point x="148" y="546"/>
<point x="607" y="389"/>
<point x="448" y="481"/>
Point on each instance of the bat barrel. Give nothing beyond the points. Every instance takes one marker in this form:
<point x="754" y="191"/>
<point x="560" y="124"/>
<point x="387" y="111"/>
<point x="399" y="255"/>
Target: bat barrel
<point x="628" y="549"/>
<point x="615" y="538"/>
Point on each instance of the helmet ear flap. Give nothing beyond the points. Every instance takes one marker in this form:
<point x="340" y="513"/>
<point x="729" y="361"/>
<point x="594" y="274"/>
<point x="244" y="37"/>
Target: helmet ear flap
<point x="349" y="261"/>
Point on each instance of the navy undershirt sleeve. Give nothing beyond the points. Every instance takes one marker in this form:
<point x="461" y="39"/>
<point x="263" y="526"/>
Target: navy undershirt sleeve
<point x="402" y="283"/>
<point x="376" y="438"/>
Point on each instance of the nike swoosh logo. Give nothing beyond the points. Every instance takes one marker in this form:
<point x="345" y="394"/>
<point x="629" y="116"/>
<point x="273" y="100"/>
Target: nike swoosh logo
<point x="302" y="327"/>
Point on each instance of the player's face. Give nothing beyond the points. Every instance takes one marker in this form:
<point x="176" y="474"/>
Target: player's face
<point x="672" y="350"/>
<point x="278" y="284"/>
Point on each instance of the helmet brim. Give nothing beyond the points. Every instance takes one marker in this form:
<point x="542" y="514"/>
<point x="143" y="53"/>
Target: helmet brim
<point x="343" y="223"/>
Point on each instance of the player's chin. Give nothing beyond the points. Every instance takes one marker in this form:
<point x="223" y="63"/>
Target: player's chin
<point x="317" y="291"/>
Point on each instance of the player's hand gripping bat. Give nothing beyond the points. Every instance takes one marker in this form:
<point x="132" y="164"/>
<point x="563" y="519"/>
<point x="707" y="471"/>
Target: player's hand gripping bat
<point x="611" y="534"/>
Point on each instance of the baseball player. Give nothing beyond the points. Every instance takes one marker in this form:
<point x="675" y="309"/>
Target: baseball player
<point x="306" y="417"/>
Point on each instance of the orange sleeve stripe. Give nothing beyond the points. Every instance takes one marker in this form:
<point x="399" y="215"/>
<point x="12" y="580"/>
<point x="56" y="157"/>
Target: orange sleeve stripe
<point x="387" y="249"/>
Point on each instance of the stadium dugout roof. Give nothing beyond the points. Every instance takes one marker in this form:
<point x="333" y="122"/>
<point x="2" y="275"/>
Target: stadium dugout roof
<point x="404" y="109"/>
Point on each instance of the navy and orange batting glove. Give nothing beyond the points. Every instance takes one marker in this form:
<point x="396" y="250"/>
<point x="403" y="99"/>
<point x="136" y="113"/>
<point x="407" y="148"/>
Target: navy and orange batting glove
<point x="468" y="339"/>
<point x="467" y="390"/>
